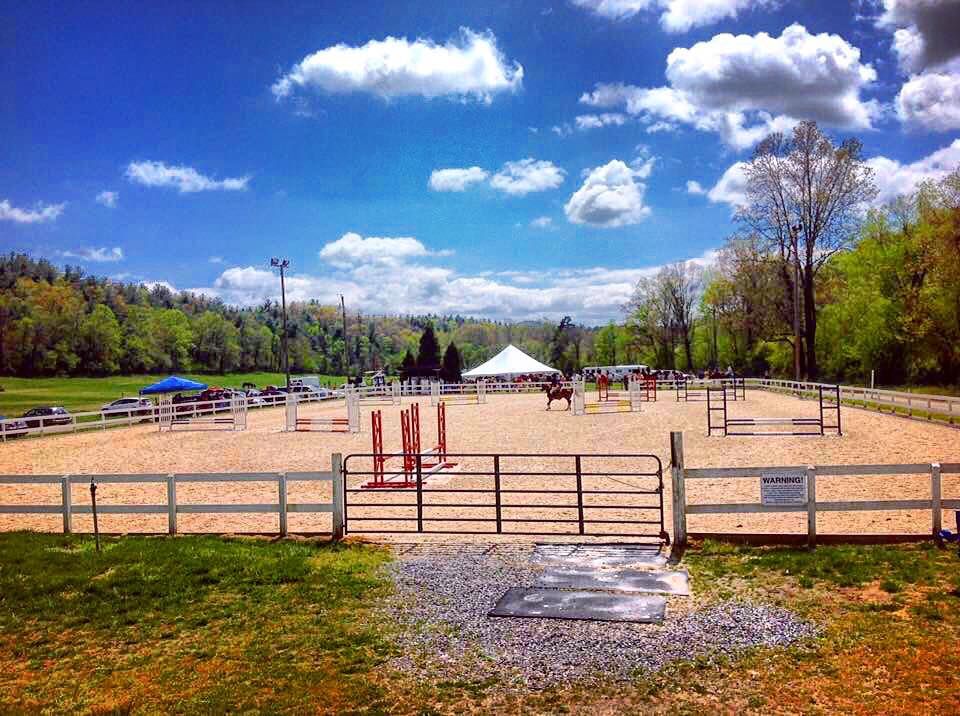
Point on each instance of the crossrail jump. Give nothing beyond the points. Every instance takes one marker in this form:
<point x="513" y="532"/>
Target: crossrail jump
<point x="415" y="468"/>
<point x="717" y="406"/>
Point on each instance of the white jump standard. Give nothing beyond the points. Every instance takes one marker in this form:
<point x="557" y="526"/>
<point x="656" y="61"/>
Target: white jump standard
<point x="717" y="399"/>
<point x="174" y="416"/>
<point x="630" y="405"/>
<point x="323" y="424"/>
<point x="466" y="394"/>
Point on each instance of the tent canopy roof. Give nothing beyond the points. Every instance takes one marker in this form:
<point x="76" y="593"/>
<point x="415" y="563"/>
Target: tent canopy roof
<point x="173" y="384"/>
<point x="510" y="361"/>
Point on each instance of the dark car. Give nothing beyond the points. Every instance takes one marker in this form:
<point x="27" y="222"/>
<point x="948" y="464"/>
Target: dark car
<point x="271" y="395"/>
<point x="51" y="415"/>
<point x="12" y="427"/>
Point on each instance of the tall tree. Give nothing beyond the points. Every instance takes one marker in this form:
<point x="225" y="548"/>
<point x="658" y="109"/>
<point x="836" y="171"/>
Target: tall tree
<point x="450" y="371"/>
<point x="428" y="356"/>
<point x="804" y="198"/>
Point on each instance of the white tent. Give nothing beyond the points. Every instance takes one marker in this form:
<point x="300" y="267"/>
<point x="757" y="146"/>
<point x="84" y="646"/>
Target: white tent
<point x="511" y="361"/>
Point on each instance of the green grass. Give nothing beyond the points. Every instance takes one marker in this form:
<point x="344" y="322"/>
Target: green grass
<point x="83" y="394"/>
<point x="187" y="624"/>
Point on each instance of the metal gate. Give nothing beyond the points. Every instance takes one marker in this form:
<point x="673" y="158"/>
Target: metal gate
<point x="580" y="495"/>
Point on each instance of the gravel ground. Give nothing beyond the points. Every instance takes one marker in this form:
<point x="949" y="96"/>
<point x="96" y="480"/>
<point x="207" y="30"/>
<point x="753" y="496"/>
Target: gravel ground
<point x="442" y="600"/>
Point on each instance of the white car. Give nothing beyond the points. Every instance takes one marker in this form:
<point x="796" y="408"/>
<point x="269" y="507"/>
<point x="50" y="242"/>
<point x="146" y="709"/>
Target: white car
<point x="128" y="407"/>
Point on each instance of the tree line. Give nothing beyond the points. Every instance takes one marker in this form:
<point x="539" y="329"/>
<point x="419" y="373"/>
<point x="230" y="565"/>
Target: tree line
<point x="813" y="282"/>
<point x="62" y="322"/>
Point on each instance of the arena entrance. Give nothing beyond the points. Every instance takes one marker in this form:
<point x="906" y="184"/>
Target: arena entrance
<point x="587" y="497"/>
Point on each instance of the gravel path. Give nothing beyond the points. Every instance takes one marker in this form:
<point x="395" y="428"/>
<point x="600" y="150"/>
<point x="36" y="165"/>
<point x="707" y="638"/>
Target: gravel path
<point x="442" y="600"/>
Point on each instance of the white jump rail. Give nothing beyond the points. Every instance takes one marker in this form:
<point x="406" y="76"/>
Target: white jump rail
<point x="330" y="424"/>
<point x="172" y="508"/>
<point x="458" y="393"/>
<point x="681" y="508"/>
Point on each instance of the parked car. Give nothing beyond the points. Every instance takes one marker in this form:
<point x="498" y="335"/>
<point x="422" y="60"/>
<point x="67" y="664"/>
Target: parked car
<point x="272" y="395"/>
<point x="254" y="397"/>
<point x="125" y="407"/>
<point x="51" y="415"/>
<point x="13" y="427"/>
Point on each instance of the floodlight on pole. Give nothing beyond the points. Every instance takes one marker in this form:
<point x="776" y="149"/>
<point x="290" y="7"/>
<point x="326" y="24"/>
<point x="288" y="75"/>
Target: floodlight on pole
<point x="283" y="264"/>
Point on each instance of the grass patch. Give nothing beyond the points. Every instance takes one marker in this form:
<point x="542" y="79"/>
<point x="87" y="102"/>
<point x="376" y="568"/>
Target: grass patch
<point x="187" y="624"/>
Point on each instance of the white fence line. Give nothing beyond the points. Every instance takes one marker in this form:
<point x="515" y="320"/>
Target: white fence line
<point x="681" y="508"/>
<point x="172" y="508"/>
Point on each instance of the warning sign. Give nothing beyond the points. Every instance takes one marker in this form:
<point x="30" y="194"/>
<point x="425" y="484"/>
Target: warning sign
<point x="787" y="487"/>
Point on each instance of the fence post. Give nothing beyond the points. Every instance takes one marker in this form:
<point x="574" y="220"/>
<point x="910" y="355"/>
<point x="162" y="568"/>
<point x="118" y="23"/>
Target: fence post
<point x="337" y="486"/>
<point x="935" y="499"/>
<point x="811" y="506"/>
<point x="282" y="500"/>
<point x="679" y="491"/>
<point x="67" y="504"/>
<point x="171" y="504"/>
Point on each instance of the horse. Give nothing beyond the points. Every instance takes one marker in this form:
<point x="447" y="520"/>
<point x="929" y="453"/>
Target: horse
<point x="557" y="393"/>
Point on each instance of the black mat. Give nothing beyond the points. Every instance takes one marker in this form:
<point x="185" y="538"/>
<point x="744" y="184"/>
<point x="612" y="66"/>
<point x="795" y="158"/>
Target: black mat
<point x="618" y="580"/>
<point x="589" y="606"/>
<point x="599" y="555"/>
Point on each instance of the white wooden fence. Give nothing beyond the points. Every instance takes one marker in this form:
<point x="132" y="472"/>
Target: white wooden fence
<point x="681" y="507"/>
<point x="172" y="508"/>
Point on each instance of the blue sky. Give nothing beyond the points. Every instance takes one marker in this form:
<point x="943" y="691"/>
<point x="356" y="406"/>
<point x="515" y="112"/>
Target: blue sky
<point x="507" y="159"/>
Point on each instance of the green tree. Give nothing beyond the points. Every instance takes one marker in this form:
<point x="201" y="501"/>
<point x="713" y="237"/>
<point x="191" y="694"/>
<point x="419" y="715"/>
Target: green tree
<point x="172" y="339"/>
<point x="451" y="364"/>
<point x="100" y="341"/>
<point x="216" y="343"/>
<point x="605" y="345"/>
<point x="428" y="356"/>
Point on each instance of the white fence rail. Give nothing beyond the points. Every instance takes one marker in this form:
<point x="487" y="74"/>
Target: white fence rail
<point x="172" y="508"/>
<point x="811" y="506"/>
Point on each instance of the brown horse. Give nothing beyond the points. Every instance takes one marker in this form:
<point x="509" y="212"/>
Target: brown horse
<point x="557" y="393"/>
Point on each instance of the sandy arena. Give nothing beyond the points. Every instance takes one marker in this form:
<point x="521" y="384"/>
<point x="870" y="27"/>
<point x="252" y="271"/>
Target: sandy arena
<point x="505" y="424"/>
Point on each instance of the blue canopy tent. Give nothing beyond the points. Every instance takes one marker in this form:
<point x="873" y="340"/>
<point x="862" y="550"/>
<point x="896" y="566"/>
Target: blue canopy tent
<point x="173" y="384"/>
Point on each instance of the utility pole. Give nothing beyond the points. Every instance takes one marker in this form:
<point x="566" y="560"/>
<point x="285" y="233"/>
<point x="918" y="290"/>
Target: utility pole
<point x="346" y="344"/>
<point x="283" y="264"/>
<point x="794" y="231"/>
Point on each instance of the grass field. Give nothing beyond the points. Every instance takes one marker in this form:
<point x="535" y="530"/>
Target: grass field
<point x="207" y="624"/>
<point x="81" y="394"/>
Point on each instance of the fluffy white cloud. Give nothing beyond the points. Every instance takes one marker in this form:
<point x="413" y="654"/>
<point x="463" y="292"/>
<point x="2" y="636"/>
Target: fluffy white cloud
<point x="925" y="31"/>
<point x="351" y="249"/>
<point x="593" y="295"/>
<point x="615" y="9"/>
<point x="185" y="179"/>
<point x="470" y="66"/>
<point x="456" y="179"/>
<point x="98" y="255"/>
<point x="694" y="187"/>
<point x="931" y="101"/>
<point x="676" y="15"/>
<point x="730" y="189"/>
<point x="595" y="121"/>
<point x="39" y="214"/>
<point x="610" y="196"/>
<point x="542" y="222"/>
<point x="527" y="176"/>
<point x="108" y="199"/>
<point x="746" y="86"/>
<point x="895" y="179"/>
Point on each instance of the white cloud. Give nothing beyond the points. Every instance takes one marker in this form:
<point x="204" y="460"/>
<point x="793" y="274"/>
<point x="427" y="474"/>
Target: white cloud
<point x="746" y="86"/>
<point x="610" y="196"/>
<point x="215" y="259"/>
<point x="39" y="214"/>
<point x="456" y="179"/>
<point x="185" y="179"/>
<point x="527" y="176"/>
<point x="108" y="199"/>
<point x="931" y="101"/>
<point x="150" y="285"/>
<point x="595" y="121"/>
<point x="351" y="249"/>
<point x="542" y="222"/>
<point x="895" y="179"/>
<point x="98" y="255"/>
<point x="676" y="15"/>
<point x="694" y="187"/>
<point x="470" y="66"/>
<point x="562" y="130"/>
<point x="731" y="188"/>
<point x="925" y="32"/>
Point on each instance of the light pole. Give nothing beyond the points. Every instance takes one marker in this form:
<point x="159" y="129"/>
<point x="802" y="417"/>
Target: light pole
<point x="283" y="264"/>
<point x="794" y="231"/>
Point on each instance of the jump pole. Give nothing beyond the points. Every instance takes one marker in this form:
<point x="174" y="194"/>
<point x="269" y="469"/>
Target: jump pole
<point x="348" y="424"/>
